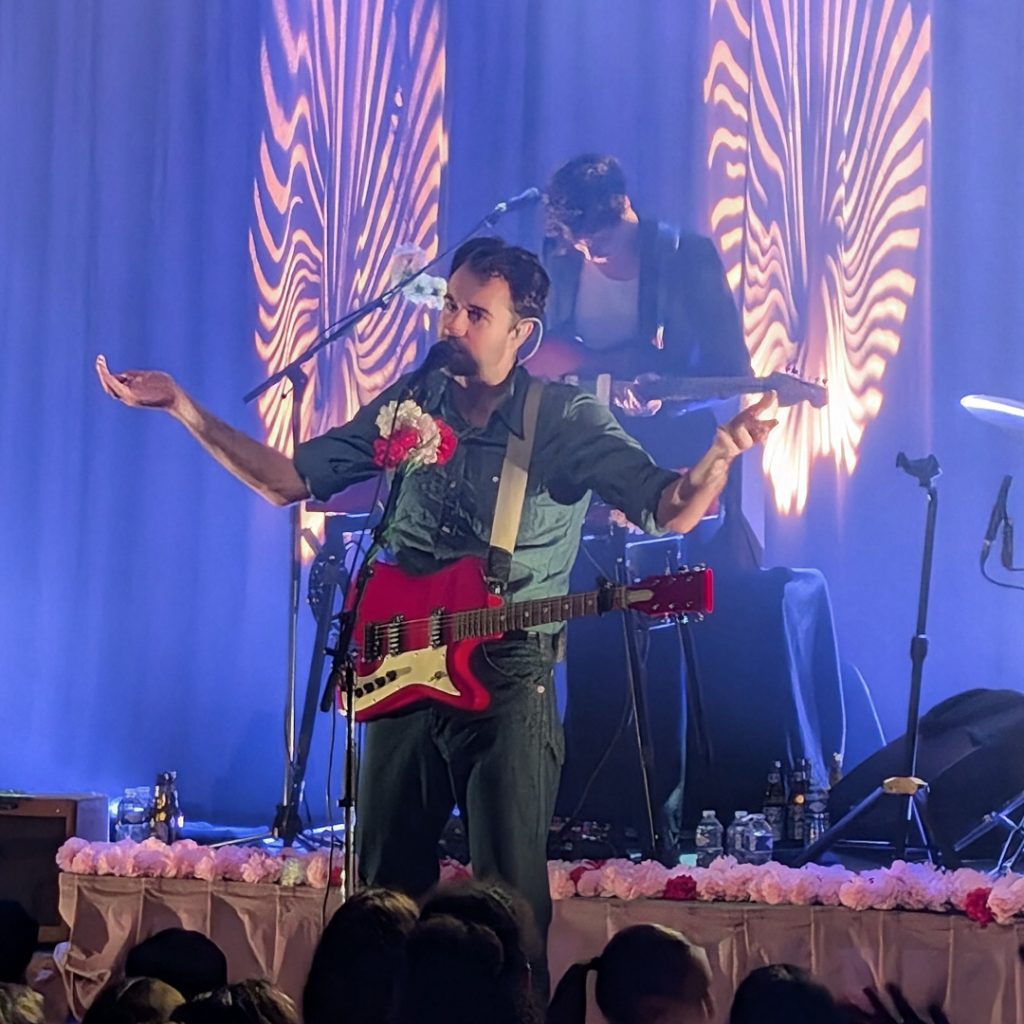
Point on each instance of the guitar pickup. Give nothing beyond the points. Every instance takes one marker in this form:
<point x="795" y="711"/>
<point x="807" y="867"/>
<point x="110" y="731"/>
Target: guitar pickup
<point x="395" y="633"/>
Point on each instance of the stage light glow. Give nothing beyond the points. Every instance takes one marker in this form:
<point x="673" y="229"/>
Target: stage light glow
<point x="350" y="166"/>
<point x="819" y="125"/>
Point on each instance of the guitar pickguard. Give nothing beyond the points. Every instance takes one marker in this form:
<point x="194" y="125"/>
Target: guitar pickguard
<point x="425" y="668"/>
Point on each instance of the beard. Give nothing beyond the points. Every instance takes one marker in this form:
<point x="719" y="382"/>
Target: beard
<point x="459" y="363"/>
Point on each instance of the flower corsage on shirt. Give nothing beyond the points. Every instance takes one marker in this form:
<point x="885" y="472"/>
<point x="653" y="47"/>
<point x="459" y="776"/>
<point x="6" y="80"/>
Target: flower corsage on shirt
<point x="410" y="437"/>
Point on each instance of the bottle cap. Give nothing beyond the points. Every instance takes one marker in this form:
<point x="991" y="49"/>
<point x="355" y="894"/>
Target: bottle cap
<point x="708" y="814"/>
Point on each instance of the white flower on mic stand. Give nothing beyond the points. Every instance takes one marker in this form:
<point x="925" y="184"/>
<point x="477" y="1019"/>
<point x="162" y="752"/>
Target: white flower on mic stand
<point x="424" y="290"/>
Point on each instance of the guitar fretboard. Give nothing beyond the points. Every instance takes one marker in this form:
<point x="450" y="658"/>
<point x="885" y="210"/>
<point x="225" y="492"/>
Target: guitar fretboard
<point x="530" y="614"/>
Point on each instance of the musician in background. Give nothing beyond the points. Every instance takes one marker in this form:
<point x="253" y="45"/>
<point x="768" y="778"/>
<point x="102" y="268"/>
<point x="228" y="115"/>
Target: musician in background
<point x="501" y="765"/>
<point x="637" y="297"/>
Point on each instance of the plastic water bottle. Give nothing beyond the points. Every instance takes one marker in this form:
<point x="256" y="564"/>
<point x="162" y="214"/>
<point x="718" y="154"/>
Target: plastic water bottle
<point x="758" y="839"/>
<point x="708" y="839"/>
<point x="817" y="820"/>
<point x="121" y="826"/>
<point x="139" y="819"/>
<point x="735" y="836"/>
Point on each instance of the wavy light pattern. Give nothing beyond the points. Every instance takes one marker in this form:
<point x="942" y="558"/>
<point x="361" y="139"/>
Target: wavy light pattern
<point x="819" y="127"/>
<point x="350" y="164"/>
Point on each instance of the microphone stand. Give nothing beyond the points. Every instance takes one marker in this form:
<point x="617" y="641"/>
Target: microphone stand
<point x="287" y="823"/>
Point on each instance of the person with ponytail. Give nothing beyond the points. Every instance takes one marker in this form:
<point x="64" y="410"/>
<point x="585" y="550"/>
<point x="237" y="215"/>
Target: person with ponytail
<point x="647" y="974"/>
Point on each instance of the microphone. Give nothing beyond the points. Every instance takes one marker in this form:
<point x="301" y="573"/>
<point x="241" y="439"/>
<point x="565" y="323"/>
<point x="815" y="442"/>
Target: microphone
<point x="1007" y="552"/>
<point x="525" y="198"/>
<point x="997" y="516"/>
<point x="438" y="356"/>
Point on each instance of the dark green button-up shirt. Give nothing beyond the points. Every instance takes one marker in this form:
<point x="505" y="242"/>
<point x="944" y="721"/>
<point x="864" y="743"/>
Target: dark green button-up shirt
<point x="445" y="512"/>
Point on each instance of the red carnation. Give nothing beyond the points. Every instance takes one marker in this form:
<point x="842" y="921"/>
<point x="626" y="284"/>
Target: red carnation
<point x="389" y="452"/>
<point x="681" y="887"/>
<point x="583" y="866"/>
<point x="447" y="444"/>
<point x="976" y="906"/>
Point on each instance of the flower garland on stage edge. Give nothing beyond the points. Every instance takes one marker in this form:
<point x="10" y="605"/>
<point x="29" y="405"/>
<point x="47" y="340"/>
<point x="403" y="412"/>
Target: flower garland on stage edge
<point x="902" y="886"/>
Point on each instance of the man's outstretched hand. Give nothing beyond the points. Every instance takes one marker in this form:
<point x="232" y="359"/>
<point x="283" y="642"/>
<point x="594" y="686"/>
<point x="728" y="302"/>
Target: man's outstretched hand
<point x="145" y="389"/>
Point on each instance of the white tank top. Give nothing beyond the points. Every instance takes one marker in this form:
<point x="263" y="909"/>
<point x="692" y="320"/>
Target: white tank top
<point x="607" y="311"/>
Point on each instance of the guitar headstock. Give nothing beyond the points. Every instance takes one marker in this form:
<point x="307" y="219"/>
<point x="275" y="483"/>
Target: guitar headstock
<point x="791" y="389"/>
<point x="685" y="592"/>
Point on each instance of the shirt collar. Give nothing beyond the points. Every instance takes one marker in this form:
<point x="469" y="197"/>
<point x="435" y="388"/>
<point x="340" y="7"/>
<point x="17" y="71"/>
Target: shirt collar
<point x="510" y="412"/>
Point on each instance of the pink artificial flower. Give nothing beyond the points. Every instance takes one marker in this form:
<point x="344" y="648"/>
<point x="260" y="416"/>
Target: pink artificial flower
<point x="453" y="870"/>
<point x="68" y="851"/>
<point x="317" y="870"/>
<point x="920" y="886"/>
<point x="153" y="859"/>
<point x="582" y="866"/>
<point x="228" y="862"/>
<point x="261" y="868"/>
<point x="828" y="882"/>
<point x="588" y="882"/>
<point x="772" y="884"/>
<point x="1006" y="900"/>
<point x="963" y="882"/>
<point x="115" y="859"/>
<point x="560" y="883"/>
<point x="648" y="881"/>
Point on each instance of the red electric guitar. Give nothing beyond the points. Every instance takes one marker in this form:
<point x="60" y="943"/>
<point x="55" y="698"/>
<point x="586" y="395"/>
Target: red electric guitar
<point x="415" y="635"/>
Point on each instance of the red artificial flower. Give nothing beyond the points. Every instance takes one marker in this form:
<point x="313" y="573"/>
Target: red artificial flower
<point x="448" y="443"/>
<point x="976" y="906"/>
<point x="337" y="875"/>
<point x="389" y="452"/>
<point x="681" y="887"/>
<point x="586" y="865"/>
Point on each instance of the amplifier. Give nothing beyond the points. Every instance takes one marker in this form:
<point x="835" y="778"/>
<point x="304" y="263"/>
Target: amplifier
<point x="32" y="830"/>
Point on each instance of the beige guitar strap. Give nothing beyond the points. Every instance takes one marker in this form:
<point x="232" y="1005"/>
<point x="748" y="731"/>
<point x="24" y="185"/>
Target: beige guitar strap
<point x="508" y="507"/>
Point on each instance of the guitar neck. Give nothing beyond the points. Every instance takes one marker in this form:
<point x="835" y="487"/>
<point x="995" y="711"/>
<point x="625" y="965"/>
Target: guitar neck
<point x="524" y="615"/>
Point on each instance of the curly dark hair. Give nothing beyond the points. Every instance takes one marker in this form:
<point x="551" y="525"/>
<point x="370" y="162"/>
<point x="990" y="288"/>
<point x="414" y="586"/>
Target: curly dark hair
<point x="585" y="194"/>
<point x="519" y="268"/>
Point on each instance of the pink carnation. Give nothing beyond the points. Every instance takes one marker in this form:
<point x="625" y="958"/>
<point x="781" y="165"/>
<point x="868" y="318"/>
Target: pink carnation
<point x="869" y="890"/>
<point x="84" y="861"/>
<point x="153" y="859"/>
<point x="117" y="859"/>
<point x="963" y="882"/>
<point x="588" y="883"/>
<point x="772" y="883"/>
<point x="228" y="862"/>
<point x="68" y="851"/>
<point x="317" y="870"/>
<point x="1006" y="900"/>
<point x="829" y="882"/>
<point x="260" y="868"/>
<point x="616" y="877"/>
<point x="920" y="886"/>
<point x="454" y="871"/>
<point x="192" y="860"/>
<point x="560" y="882"/>
<point x="647" y="881"/>
<point x="582" y="866"/>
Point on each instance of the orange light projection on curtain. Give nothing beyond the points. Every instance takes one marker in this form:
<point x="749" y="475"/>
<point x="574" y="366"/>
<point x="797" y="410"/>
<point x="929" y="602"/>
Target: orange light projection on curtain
<point x="350" y="164"/>
<point x="819" y="124"/>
